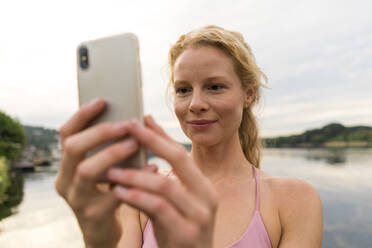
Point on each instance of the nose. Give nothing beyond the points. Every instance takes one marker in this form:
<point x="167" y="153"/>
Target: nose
<point x="198" y="102"/>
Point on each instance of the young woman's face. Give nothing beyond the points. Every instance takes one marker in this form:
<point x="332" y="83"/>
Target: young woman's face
<point x="209" y="99"/>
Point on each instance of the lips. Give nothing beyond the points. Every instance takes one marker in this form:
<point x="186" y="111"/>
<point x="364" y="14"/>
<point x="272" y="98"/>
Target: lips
<point x="201" y="122"/>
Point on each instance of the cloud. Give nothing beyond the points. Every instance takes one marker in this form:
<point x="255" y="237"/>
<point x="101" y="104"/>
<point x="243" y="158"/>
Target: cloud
<point x="315" y="53"/>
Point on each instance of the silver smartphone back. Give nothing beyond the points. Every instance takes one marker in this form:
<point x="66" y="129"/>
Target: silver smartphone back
<point x="110" y="68"/>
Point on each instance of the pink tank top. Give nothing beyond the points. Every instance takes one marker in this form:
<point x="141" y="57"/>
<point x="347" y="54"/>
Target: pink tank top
<point x="254" y="236"/>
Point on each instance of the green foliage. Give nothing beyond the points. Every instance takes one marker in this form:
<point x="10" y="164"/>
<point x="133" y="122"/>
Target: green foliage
<point x="318" y="138"/>
<point x="365" y="135"/>
<point x="12" y="141"/>
<point x="342" y="137"/>
<point x="12" y="137"/>
<point x="13" y="195"/>
<point x="40" y="137"/>
<point x="333" y="132"/>
<point x="15" y="191"/>
<point x="11" y="130"/>
<point x="4" y="179"/>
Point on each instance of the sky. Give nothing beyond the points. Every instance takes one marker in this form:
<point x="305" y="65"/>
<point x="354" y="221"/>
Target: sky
<point x="316" y="54"/>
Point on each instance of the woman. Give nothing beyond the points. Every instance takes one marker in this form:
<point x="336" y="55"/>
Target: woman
<point x="216" y="196"/>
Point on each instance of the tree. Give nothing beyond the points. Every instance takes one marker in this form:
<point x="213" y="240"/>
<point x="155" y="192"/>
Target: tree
<point x="12" y="137"/>
<point x="12" y="141"/>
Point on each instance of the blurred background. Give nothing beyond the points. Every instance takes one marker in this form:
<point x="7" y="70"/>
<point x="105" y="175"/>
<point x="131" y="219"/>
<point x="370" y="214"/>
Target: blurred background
<point x="316" y="118"/>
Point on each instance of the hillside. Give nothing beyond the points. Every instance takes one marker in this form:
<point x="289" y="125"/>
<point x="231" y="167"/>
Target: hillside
<point x="331" y="135"/>
<point x="39" y="137"/>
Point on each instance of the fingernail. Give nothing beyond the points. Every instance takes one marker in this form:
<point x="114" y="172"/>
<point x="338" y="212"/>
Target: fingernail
<point x="121" y="191"/>
<point x="151" y="118"/>
<point x="130" y="143"/>
<point x="134" y="123"/>
<point x="151" y="168"/>
<point x="113" y="173"/>
<point x="93" y="102"/>
<point x="120" y="127"/>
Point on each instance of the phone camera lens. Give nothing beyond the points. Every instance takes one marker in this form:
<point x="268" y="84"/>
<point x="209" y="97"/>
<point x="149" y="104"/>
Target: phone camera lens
<point x="83" y="57"/>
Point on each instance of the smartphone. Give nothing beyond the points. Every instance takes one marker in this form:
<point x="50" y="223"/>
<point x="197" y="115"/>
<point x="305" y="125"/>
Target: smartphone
<point x="110" y="68"/>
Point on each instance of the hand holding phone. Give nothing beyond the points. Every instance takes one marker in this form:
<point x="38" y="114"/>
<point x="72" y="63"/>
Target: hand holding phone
<point x="109" y="68"/>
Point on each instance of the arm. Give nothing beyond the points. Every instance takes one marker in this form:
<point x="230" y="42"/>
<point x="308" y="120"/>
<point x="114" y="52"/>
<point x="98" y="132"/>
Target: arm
<point x="131" y="229"/>
<point x="132" y="234"/>
<point x="300" y="215"/>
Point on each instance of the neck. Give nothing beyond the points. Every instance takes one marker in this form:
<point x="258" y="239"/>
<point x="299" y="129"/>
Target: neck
<point x="222" y="160"/>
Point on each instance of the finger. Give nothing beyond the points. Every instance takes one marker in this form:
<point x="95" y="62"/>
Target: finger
<point x="77" y="145"/>
<point x="150" y="122"/>
<point x="154" y="206"/>
<point x="64" y="178"/>
<point x="80" y="143"/>
<point x="172" y="152"/>
<point x="82" y="118"/>
<point x="89" y="170"/>
<point x="152" y="168"/>
<point x="167" y="188"/>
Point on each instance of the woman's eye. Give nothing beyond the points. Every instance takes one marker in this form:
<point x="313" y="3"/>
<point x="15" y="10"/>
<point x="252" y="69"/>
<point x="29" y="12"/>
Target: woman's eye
<point x="182" y="90"/>
<point x="216" y="87"/>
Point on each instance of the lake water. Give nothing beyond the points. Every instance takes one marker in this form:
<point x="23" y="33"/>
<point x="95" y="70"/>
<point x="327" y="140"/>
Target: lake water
<point x="343" y="179"/>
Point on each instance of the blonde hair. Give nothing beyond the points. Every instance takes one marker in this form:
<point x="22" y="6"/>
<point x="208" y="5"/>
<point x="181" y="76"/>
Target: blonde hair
<point x="250" y="75"/>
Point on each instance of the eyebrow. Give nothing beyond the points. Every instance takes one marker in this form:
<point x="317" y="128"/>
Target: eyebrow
<point x="206" y="79"/>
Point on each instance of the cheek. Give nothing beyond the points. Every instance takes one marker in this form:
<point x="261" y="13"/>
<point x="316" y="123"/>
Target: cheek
<point x="180" y="109"/>
<point x="231" y="112"/>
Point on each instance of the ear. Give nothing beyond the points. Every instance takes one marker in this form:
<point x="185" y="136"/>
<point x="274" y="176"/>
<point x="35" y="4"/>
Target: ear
<point x="249" y="97"/>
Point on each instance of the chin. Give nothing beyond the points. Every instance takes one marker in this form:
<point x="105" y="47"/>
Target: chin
<point x="203" y="140"/>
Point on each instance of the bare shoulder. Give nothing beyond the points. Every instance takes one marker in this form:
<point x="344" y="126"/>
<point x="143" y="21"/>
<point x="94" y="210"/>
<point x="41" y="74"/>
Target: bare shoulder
<point x="300" y="210"/>
<point x="291" y="191"/>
